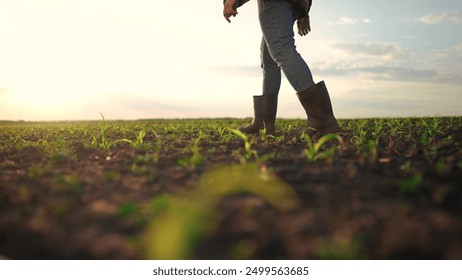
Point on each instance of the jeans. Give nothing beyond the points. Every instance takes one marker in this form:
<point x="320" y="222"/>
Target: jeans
<point x="278" y="48"/>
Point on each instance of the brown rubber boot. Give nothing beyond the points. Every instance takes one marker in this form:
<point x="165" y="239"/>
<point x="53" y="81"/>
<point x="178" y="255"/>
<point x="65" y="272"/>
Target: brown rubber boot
<point x="270" y="107"/>
<point x="257" y="122"/>
<point x="265" y="108"/>
<point x="318" y="108"/>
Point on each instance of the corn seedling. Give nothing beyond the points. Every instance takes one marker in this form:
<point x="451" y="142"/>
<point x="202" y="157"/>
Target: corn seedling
<point x="317" y="150"/>
<point x="138" y="143"/>
<point x="341" y="248"/>
<point x="103" y="141"/>
<point x="249" y="152"/>
<point x="371" y="150"/>
<point x="195" y="159"/>
<point x="183" y="221"/>
<point x="412" y="183"/>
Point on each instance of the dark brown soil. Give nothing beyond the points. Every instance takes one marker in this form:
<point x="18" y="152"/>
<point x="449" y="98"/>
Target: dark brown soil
<point x="81" y="202"/>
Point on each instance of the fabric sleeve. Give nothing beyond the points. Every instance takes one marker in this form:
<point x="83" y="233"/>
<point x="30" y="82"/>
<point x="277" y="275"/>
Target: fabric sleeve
<point x="241" y="2"/>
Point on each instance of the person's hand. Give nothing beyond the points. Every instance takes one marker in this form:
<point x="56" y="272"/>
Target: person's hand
<point x="303" y="26"/>
<point x="230" y="9"/>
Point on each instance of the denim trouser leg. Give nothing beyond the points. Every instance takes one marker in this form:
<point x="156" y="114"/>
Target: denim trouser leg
<point x="277" y="22"/>
<point x="271" y="71"/>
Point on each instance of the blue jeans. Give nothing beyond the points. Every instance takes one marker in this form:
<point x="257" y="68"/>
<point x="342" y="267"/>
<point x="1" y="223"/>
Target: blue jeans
<point x="278" y="48"/>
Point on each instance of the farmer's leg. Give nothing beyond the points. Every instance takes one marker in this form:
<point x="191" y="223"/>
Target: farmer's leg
<point x="271" y="71"/>
<point x="265" y="105"/>
<point x="276" y="21"/>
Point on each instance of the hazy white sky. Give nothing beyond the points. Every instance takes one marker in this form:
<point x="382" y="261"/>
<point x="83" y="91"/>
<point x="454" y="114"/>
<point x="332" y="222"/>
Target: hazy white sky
<point x="131" y="59"/>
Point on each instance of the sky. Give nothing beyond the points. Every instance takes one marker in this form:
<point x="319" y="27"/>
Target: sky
<point x="139" y="59"/>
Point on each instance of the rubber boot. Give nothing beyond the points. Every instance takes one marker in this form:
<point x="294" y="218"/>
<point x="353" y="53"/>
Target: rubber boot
<point x="265" y="108"/>
<point x="318" y="108"/>
<point x="270" y="107"/>
<point x="257" y="122"/>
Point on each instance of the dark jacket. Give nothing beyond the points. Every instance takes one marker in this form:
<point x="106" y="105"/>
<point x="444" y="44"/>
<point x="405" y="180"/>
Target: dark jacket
<point x="301" y="7"/>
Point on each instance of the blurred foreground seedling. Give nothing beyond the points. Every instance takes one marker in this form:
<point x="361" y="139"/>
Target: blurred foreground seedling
<point x="184" y="220"/>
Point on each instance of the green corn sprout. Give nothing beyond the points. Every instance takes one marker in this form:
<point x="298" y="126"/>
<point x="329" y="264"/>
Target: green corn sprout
<point x="314" y="150"/>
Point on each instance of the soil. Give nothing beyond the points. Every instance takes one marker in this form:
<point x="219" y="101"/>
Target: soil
<point x="79" y="203"/>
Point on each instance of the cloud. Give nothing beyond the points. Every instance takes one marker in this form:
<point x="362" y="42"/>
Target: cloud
<point x="392" y="62"/>
<point x="452" y="17"/>
<point x="391" y="73"/>
<point x="350" y="21"/>
<point x="399" y="100"/>
<point x="447" y="61"/>
<point x="386" y="51"/>
<point x="399" y="74"/>
<point x="381" y="72"/>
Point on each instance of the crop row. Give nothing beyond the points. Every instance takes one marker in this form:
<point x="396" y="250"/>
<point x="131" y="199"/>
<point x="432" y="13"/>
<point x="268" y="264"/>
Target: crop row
<point x="366" y="138"/>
